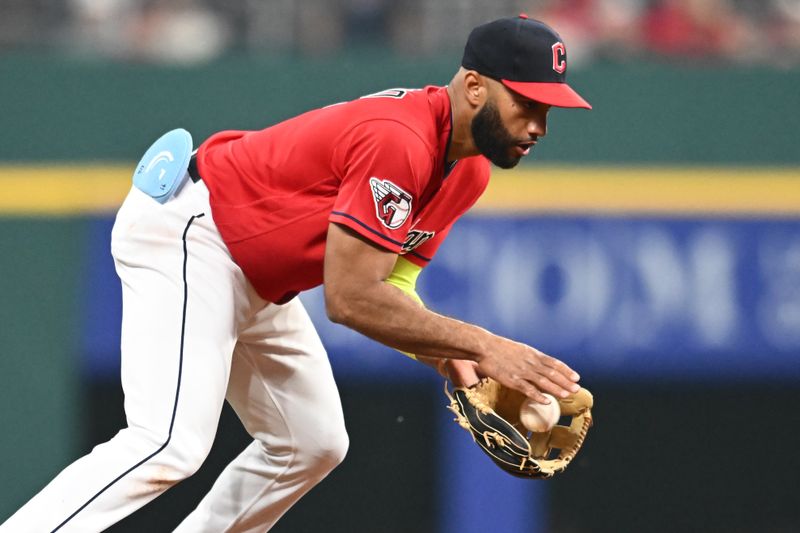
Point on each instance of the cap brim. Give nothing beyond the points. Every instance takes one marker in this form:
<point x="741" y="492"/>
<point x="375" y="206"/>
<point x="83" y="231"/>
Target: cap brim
<point x="554" y="94"/>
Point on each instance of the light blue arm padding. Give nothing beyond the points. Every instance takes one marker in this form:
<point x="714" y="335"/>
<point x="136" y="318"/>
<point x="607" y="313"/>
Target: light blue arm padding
<point x="404" y="277"/>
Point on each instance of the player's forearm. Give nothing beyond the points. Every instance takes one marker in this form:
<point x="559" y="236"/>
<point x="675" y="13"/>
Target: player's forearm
<point x="389" y="316"/>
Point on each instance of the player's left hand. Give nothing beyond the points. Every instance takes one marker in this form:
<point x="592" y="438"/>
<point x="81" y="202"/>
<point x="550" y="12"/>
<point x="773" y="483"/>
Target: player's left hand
<point x="490" y="412"/>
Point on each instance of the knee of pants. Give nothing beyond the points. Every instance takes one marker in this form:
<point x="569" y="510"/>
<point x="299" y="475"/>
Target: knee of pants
<point x="185" y="458"/>
<point x="178" y="456"/>
<point x="334" y="450"/>
<point x="322" y="449"/>
<point x="165" y="461"/>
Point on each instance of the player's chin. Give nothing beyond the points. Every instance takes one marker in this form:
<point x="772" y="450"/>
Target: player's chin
<point x="507" y="161"/>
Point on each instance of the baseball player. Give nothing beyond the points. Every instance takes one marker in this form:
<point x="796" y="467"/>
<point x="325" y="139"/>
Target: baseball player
<point x="358" y="196"/>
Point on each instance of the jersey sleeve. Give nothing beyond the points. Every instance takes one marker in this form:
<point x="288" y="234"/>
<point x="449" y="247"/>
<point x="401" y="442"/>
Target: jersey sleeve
<point x="384" y="167"/>
<point x="423" y="254"/>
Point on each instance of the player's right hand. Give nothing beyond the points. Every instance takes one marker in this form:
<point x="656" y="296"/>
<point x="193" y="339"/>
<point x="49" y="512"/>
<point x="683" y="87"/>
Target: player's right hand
<point x="528" y="370"/>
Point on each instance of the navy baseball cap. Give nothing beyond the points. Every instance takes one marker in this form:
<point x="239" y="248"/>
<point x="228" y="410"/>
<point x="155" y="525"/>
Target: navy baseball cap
<point x="525" y="55"/>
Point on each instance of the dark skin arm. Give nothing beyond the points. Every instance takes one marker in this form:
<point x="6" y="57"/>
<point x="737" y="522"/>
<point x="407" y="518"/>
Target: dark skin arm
<point x="357" y="296"/>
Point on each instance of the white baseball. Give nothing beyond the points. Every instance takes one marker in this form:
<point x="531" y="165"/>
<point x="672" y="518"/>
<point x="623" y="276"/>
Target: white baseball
<point x="539" y="417"/>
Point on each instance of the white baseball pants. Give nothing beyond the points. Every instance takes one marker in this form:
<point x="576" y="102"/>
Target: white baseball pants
<point x="194" y="333"/>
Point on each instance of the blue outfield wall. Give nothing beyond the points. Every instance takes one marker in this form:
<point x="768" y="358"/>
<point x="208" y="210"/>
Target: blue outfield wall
<point x="647" y="298"/>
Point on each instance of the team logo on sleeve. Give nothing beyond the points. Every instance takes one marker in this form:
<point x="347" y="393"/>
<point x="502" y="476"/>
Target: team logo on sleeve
<point x="392" y="204"/>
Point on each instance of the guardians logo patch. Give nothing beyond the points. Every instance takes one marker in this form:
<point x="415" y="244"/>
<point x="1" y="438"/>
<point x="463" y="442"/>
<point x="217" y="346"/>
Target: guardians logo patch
<point x="392" y="204"/>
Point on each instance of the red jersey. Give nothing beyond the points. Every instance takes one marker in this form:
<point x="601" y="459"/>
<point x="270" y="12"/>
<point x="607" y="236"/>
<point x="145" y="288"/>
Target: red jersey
<point x="376" y="165"/>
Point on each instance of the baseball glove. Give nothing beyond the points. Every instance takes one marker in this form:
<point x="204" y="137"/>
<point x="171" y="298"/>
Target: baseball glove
<point x="490" y="412"/>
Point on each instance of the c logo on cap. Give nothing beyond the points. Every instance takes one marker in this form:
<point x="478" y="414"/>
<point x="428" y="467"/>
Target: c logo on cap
<point x="559" y="57"/>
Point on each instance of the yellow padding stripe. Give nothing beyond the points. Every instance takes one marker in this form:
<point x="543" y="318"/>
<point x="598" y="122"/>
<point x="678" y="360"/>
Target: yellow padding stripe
<point x="646" y="191"/>
<point x="77" y="189"/>
<point x="63" y="190"/>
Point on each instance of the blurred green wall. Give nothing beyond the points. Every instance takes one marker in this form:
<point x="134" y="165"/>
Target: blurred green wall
<point x="59" y="110"/>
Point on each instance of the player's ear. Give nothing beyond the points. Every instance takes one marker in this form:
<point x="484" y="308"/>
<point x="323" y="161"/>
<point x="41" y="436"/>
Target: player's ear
<point x="475" y="88"/>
